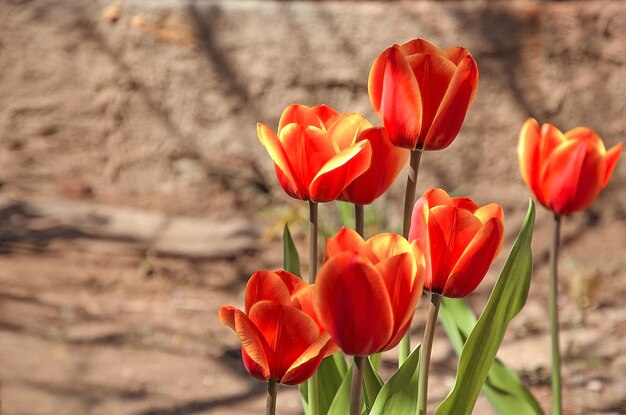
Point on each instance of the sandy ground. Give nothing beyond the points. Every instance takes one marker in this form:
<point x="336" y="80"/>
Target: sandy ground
<point x="90" y="326"/>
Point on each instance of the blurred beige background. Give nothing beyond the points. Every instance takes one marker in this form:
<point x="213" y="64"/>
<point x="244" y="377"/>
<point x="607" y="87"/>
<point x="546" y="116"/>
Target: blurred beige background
<point x="135" y="198"/>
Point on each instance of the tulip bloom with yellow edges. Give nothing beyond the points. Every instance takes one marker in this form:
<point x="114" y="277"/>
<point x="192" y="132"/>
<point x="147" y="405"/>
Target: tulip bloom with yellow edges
<point x="281" y="339"/>
<point x="367" y="291"/>
<point x="387" y="162"/>
<point x="459" y="240"/>
<point x="422" y="93"/>
<point x="316" y="151"/>
<point x="565" y="172"/>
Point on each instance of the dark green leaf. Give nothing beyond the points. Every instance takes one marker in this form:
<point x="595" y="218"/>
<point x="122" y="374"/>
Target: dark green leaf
<point x="506" y="300"/>
<point x="291" y="260"/>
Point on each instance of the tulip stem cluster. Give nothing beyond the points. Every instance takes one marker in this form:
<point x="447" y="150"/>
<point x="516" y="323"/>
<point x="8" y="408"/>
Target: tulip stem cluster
<point x="357" y="385"/>
<point x="409" y="201"/>
<point x="554" y="316"/>
<point x="270" y="406"/>
<point x="359" y="219"/>
<point x="427" y="346"/>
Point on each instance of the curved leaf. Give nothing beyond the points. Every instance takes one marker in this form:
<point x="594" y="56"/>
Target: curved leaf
<point x="398" y="396"/>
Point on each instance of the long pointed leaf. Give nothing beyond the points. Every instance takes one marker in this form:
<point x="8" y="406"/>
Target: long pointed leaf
<point x="372" y="383"/>
<point x="291" y="259"/>
<point x="503" y="388"/>
<point x="341" y="403"/>
<point x="398" y="396"/>
<point x="506" y="301"/>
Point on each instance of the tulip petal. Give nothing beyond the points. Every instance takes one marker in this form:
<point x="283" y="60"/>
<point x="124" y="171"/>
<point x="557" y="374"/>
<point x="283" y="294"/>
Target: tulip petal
<point x="385" y="245"/>
<point x="401" y="105"/>
<point x="266" y="285"/>
<point x="300" y="114"/>
<point x="287" y="330"/>
<point x="588" y="135"/>
<point x="293" y="283"/>
<point x="528" y="155"/>
<point x="438" y="197"/>
<point x="573" y="177"/>
<point x="253" y="343"/>
<point x="344" y="131"/>
<point x="253" y="367"/>
<point x="279" y="157"/>
<point x="308" y="149"/>
<point x="492" y="210"/>
<point x="326" y="114"/>
<point x="465" y="203"/>
<point x="375" y="80"/>
<point x="474" y="263"/>
<point x="345" y="240"/>
<point x="353" y="305"/>
<point x="450" y="230"/>
<point x="452" y="110"/>
<point x="433" y="73"/>
<point x="419" y="46"/>
<point x="340" y="171"/>
<point x="404" y="289"/>
<point x="551" y="138"/>
<point x="387" y="163"/>
<point x="227" y="316"/>
<point x="304" y="367"/>
<point x="611" y="157"/>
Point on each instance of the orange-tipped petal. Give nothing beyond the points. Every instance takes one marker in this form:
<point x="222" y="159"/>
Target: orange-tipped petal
<point x="404" y="291"/>
<point x="551" y="138"/>
<point x="375" y="80"/>
<point x="385" y="245"/>
<point x="528" y="155"/>
<point x="387" y="162"/>
<point x="473" y="265"/>
<point x="304" y="367"/>
<point x="465" y="203"/>
<point x="287" y="330"/>
<point x="438" y="197"/>
<point x="611" y="157"/>
<point x="492" y="210"/>
<point x="401" y="105"/>
<point x="345" y="240"/>
<point x="266" y="285"/>
<point x="253" y="342"/>
<point x="280" y="158"/>
<point x="300" y="114"/>
<point x="227" y="316"/>
<point x="308" y="149"/>
<point x="353" y="305"/>
<point x="344" y="131"/>
<point x="452" y="110"/>
<point x="340" y="171"/>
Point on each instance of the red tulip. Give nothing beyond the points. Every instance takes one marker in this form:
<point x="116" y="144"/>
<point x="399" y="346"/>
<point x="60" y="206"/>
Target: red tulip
<point x="366" y="292"/>
<point x="316" y="153"/>
<point x="281" y="339"/>
<point x="566" y="172"/>
<point x="387" y="162"/>
<point x="459" y="239"/>
<point x="422" y="93"/>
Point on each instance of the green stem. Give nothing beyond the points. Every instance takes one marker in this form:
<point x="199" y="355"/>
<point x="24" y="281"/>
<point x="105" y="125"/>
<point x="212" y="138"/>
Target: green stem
<point x="312" y="382"/>
<point x="427" y="346"/>
<point x="359" y="219"/>
<point x="409" y="201"/>
<point x="270" y="406"/>
<point x="357" y="385"/>
<point x="554" y="316"/>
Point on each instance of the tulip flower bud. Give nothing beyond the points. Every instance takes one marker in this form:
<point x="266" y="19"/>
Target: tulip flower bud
<point x="367" y="291"/>
<point x="281" y="339"/>
<point x="565" y="172"/>
<point x="316" y="153"/>
<point x="459" y="240"/>
<point x="422" y="93"/>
